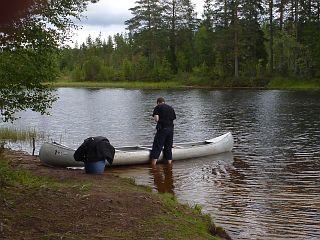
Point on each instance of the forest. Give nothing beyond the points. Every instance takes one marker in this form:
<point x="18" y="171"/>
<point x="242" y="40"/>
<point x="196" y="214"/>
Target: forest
<point x="235" y="43"/>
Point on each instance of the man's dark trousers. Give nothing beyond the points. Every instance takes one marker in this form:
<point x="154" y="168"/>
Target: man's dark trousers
<point x="163" y="139"/>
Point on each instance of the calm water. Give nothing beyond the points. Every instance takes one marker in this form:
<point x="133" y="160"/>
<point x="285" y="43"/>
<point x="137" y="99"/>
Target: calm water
<point x="268" y="188"/>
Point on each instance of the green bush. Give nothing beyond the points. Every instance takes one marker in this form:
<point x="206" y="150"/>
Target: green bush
<point x="93" y="69"/>
<point x="77" y="74"/>
<point x="162" y="71"/>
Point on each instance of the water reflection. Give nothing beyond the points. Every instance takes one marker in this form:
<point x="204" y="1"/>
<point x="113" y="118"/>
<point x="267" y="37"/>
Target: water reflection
<point x="162" y="177"/>
<point x="236" y="176"/>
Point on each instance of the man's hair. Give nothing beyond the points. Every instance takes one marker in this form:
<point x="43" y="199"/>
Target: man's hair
<point x="160" y="100"/>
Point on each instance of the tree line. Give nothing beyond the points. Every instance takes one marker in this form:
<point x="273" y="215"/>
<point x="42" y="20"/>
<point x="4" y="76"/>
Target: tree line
<point x="235" y="43"/>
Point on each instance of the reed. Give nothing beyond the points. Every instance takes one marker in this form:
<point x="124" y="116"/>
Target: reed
<point x="15" y="134"/>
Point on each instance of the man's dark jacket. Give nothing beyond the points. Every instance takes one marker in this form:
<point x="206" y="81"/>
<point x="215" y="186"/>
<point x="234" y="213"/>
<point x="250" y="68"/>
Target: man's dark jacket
<point x="95" y="149"/>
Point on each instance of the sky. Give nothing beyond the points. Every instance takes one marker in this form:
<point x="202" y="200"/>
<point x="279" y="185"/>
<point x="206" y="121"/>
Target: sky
<point x="108" y="17"/>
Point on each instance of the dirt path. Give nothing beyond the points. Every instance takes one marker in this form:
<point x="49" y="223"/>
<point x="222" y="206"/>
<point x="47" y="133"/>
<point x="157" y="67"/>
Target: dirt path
<point x="91" y="207"/>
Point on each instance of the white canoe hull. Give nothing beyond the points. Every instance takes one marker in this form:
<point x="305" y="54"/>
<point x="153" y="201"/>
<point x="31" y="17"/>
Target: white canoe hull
<point x="55" y="154"/>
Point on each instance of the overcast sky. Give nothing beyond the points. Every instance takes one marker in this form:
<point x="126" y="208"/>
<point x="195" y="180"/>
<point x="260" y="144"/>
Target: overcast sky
<point x="108" y="17"/>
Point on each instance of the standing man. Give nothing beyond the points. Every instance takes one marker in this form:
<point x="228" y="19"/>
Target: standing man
<point x="163" y="115"/>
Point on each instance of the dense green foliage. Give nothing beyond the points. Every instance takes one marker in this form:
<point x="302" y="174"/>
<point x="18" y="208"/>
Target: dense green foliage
<point x="29" y="43"/>
<point x="236" y="43"/>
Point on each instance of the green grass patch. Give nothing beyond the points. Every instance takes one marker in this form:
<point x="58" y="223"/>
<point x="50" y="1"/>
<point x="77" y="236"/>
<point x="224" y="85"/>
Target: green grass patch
<point x="188" y="227"/>
<point x="171" y="203"/>
<point x="10" y="177"/>
<point x="127" y="85"/>
<point x="183" y="81"/>
<point x="15" y="134"/>
<point x="195" y="224"/>
<point x="293" y="84"/>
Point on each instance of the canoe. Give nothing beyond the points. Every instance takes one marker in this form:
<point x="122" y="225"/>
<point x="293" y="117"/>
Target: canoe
<point x="55" y="154"/>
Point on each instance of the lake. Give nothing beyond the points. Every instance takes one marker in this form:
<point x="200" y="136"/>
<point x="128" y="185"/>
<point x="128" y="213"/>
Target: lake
<point x="267" y="188"/>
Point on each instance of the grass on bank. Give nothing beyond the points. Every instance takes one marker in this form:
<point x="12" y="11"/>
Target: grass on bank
<point x="24" y="179"/>
<point x="16" y="134"/>
<point x="280" y="83"/>
<point x="184" y="230"/>
<point x="124" y="84"/>
<point x="293" y="84"/>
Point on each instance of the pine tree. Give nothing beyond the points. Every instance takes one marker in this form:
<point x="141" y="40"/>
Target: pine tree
<point x="223" y="18"/>
<point x="185" y="36"/>
<point x="178" y="15"/>
<point x="208" y="14"/>
<point x="145" y="27"/>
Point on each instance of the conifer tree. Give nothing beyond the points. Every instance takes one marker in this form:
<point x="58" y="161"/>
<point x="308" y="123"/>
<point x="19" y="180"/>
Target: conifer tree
<point x="145" y="27"/>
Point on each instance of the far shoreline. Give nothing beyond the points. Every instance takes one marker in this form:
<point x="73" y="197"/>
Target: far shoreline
<point x="176" y="85"/>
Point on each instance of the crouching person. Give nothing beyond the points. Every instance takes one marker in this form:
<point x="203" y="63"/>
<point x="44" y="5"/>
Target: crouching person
<point x="94" y="152"/>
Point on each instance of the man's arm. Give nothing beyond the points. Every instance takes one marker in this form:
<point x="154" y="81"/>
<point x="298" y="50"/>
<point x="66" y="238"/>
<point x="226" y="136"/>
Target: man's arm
<point x="156" y="118"/>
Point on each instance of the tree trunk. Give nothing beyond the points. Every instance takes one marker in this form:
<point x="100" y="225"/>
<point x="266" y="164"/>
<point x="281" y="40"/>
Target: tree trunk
<point x="271" y="35"/>
<point x="296" y="18"/>
<point x="292" y="12"/>
<point x="281" y="12"/>
<point x="173" y="38"/>
<point x="318" y="12"/>
<point x="225" y="25"/>
<point x="309" y="10"/>
<point x="150" y="40"/>
<point x="225" y="20"/>
<point x="236" y="44"/>
<point x="296" y="31"/>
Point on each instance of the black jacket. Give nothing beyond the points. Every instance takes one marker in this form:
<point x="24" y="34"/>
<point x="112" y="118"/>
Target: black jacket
<point x="95" y="149"/>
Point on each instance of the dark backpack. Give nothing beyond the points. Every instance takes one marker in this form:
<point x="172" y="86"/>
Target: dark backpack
<point x="95" y="149"/>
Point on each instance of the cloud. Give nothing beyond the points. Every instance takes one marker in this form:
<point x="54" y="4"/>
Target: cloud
<point x="108" y="17"/>
<point x="108" y="13"/>
<point x="115" y="12"/>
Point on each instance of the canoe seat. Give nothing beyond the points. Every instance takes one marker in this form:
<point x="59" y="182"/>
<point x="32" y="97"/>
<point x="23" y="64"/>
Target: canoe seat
<point x="146" y="148"/>
<point x="175" y="146"/>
